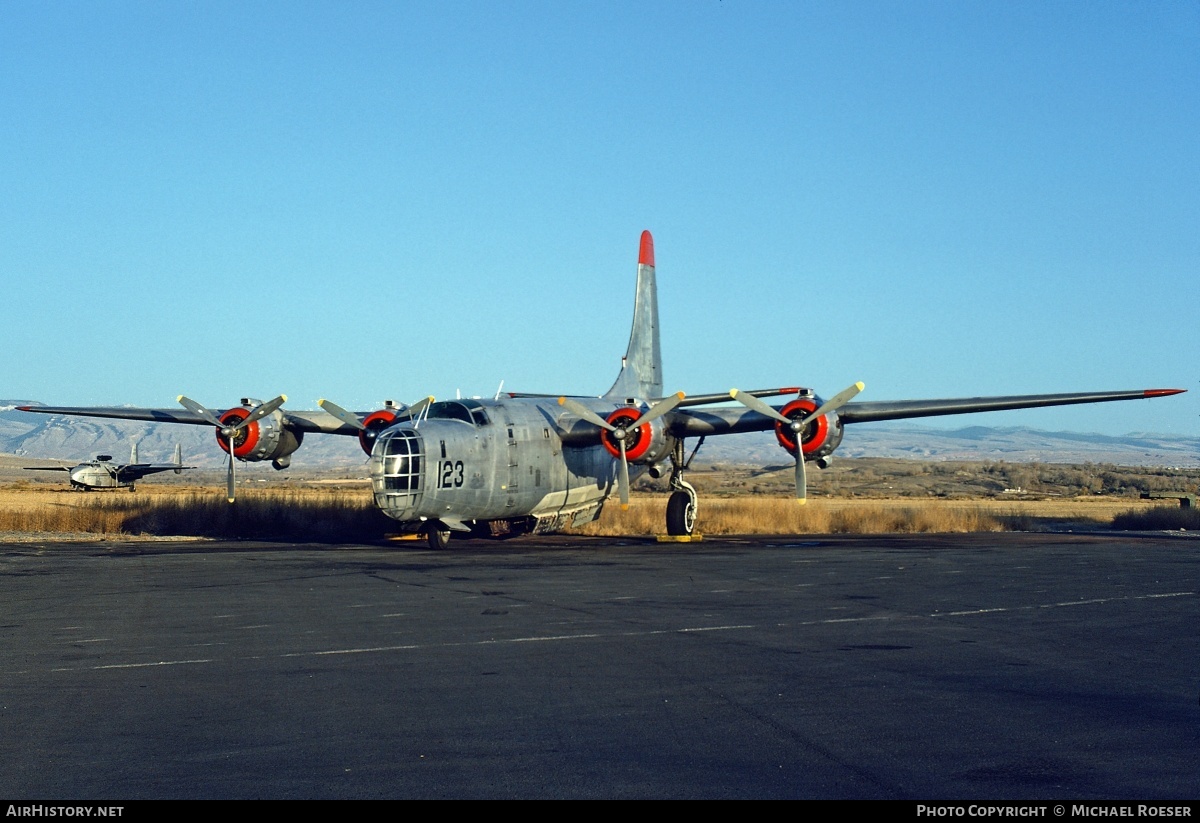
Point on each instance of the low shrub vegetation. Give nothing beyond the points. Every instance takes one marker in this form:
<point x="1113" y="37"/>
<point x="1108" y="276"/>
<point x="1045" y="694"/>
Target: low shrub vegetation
<point x="1160" y="518"/>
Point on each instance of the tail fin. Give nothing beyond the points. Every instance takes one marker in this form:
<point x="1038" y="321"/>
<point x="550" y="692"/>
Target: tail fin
<point x="178" y="459"/>
<point x="641" y="368"/>
<point x="133" y="453"/>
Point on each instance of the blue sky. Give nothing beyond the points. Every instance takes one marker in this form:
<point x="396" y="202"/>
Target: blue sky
<point x="385" y="200"/>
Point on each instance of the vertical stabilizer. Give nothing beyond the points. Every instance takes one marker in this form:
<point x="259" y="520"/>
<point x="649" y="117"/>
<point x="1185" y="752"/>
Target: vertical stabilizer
<point x="133" y="453"/>
<point x="641" y="368"/>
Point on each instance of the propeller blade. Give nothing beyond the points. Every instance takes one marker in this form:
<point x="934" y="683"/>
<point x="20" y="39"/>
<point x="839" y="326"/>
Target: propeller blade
<point x="261" y="411"/>
<point x="415" y="409"/>
<point x="660" y="408"/>
<point x="349" y="418"/>
<point x="196" y="408"/>
<point x="623" y="485"/>
<point x="579" y="410"/>
<point x="230" y="481"/>
<point x="752" y="402"/>
<point x="801" y="479"/>
<point x="838" y="400"/>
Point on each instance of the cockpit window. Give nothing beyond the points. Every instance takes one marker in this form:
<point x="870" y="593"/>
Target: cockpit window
<point x="468" y="411"/>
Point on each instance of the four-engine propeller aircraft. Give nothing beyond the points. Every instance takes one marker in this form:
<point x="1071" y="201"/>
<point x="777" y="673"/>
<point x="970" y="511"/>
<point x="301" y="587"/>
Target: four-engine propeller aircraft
<point x="527" y="463"/>
<point x="102" y="473"/>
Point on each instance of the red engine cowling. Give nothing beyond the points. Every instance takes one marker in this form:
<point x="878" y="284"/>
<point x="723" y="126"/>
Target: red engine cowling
<point x="643" y="444"/>
<point x="264" y="439"/>
<point x="820" y="438"/>
<point x="375" y="422"/>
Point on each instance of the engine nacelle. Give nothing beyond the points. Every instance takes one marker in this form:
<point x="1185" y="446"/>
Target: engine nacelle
<point x="375" y="422"/>
<point x="264" y="439"/>
<point x="821" y="437"/>
<point x="646" y="443"/>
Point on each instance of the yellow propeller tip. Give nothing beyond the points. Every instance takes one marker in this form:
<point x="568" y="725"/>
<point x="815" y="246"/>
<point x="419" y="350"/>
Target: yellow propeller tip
<point x="179" y="398"/>
<point x="562" y="401"/>
<point x="624" y="507"/>
<point x="284" y="396"/>
<point x="861" y="385"/>
<point x="800" y="501"/>
<point x="680" y="395"/>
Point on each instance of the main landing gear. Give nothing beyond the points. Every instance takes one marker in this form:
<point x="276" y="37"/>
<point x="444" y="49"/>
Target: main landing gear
<point x="681" y="506"/>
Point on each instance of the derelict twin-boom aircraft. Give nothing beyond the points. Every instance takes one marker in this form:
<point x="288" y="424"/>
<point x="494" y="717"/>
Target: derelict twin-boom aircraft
<point x="523" y="463"/>
<point x="103" y="473"/>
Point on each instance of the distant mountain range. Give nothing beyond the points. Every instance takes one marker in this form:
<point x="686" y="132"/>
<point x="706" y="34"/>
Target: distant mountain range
<point x="77" y="438"/>
<point x="1016" y="444"/>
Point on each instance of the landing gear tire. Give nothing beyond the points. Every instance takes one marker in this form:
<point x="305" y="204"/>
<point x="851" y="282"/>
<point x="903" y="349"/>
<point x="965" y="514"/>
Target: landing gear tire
<point x="438" y="536"/>
<point x="681" y="514"/>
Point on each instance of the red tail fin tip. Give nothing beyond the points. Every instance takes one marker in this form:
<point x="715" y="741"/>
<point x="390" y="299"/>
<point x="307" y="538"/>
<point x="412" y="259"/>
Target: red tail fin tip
<point x="646" y="251"/>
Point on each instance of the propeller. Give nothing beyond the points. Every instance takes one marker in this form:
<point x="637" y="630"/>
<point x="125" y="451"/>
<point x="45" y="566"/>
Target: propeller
<point x="353" y="420"/>
<point x="229" y="431"/>
<point x="370" y="426"/>
<point x="798" y="425"/>
<point x="621" y="433"/>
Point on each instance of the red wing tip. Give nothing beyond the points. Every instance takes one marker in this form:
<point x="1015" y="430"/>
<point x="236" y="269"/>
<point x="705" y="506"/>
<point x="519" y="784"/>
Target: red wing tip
<point x="1162" y="392"/>
<point x="646" y="250"/>
<point x="23" y="408"/>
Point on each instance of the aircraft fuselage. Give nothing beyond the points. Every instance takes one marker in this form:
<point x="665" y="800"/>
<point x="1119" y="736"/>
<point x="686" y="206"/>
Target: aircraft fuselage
<point x="98" y="476"/>
<point x="475" y="461"/>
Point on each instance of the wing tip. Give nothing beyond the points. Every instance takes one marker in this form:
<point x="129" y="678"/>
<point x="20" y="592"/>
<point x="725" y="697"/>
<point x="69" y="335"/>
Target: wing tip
<point x="646" y="249"/>
<point x="1162" y="392"/>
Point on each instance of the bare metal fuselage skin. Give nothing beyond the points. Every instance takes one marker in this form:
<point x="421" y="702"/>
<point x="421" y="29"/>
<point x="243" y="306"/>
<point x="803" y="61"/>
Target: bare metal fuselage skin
<point x="98" y="476"/>
<point x="474" y="461"/>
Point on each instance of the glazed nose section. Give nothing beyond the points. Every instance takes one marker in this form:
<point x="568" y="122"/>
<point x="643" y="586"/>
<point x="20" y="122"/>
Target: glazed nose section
<point x="397" y="471"/>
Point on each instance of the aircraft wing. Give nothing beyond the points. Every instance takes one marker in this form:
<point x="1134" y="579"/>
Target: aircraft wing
<point x="137" y="471"/>
<point x="712" y="421"/>
<point x="305" y="421"/>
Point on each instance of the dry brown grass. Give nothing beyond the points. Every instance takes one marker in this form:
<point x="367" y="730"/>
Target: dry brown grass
<point x="763" y="515"/>
<point x="292" y="514"/>
<point x="754" y="515"/>
<point x="322" y="514"/>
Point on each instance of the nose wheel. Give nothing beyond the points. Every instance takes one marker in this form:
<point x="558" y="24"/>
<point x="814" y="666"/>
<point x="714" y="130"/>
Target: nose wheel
<point x="437" y="535"/>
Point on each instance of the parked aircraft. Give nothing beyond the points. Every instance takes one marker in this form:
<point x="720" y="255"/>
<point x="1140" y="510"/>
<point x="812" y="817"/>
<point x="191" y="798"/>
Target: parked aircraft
<point x="102" y="473"/>
<point x="528" y="463"/>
